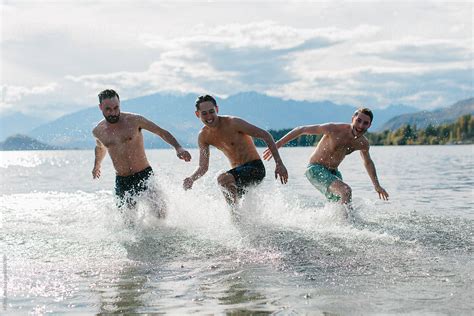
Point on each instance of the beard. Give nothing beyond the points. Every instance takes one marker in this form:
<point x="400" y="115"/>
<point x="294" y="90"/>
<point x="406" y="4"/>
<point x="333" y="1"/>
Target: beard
<point x="112" y="119"/>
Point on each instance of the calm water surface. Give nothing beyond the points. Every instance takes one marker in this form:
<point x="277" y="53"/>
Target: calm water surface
<point x="65" y="247"/>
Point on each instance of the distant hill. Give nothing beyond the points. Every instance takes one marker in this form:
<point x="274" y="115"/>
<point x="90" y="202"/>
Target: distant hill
<point x="382" y="116"/>
<point x="437" y="117"/>
<point x="23" y="142"/>
<point x="275" y="113"/>
<point x="18" y="123"/>
<point x="176" y="114"/>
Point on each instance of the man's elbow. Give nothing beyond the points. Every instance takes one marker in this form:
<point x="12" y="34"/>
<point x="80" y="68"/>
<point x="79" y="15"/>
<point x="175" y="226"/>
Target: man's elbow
<point x="164" y="134"/>
<point x="267" y="137"/>
<point x="301" y="130"/>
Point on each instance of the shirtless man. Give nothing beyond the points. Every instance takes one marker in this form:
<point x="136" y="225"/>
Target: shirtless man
<point x="232" y="136"/>
<point x="338" y="141"/>
<point x="121" y="135"/>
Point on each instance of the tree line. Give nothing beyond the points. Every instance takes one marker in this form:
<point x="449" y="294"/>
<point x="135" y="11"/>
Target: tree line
<point x="459" y="132"/>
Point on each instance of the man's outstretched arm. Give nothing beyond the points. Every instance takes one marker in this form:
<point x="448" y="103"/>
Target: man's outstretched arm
<point x="370" y="167"/>
<point x="203" y="164"/>
<point x="254" y="131"/>
<point x="166" y="136"/>
<point x="296" y="132"/>
<point x="100" y="152"/>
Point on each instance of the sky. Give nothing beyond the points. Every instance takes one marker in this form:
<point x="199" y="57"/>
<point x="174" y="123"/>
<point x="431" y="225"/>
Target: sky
<point x="56" y="56"/>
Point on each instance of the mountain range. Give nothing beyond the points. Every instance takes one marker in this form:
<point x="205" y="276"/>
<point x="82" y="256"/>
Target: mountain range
<point x="437" y="117"/>
<point x="22" y="142"/>
<point x="18" y="123"/>
<point x="176" y="114"/>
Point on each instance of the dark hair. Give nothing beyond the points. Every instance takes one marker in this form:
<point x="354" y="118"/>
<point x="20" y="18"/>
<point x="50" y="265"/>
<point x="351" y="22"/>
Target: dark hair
<point x="107" y="94"/>
<point x="365" y="111"/>
<point x="205" y="98"/>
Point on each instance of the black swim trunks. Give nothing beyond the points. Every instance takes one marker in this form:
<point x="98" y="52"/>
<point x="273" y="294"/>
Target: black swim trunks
<point x="128" y="187"/>
<point x="249" y="173"/>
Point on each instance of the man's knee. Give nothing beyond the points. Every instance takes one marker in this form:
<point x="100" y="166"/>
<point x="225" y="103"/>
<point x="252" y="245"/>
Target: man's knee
<point x="341" y="189"/>
<point x="225" y="180"/>
<point x="347" y="192"/>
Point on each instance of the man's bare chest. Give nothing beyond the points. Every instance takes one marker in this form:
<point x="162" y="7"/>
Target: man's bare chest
<point x="345" y="146"/>
<point x="119" y="137"/>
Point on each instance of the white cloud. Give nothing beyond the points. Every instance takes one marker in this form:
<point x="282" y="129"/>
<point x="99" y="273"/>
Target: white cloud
<point x="171" y="73"/>
<point x="350" y="52"/>
<point x="223" y="60"/>
<point x="381" y="86"/>
<point x="419" y="50"/>
<point x="13" y="94"/>
<point x="266" y="34"/>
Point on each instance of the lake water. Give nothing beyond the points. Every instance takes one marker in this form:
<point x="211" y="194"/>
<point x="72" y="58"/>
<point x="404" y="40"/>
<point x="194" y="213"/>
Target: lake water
<point x="65" y="247"/>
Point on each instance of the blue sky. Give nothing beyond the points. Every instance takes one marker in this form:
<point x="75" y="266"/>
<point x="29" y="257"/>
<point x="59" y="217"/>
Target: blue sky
<point x="57" y="55"/>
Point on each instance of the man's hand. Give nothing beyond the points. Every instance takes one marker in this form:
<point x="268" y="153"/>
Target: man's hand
<point x="96" y="173"/>
<point x="382" y="193"/>
<point x="267" y="154"/>
<point x="280" y="170"/>
<point x="183" y="154"/>
<point x="188" y="183"/>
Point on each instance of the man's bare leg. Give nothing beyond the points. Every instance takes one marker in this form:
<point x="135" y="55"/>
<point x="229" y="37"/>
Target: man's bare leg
<point x="159" y="207"/>
<point x="341" y="189"/>
<point x="155" y="201"/>
<point x="229" y="188"/>
<point x="344" y="191"/>
<point x="126" y="205"/>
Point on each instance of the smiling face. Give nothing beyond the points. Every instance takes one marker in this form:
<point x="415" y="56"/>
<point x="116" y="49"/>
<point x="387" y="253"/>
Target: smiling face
<point x="110" y="109"/>
<point x="360" y="124"/>
<point x="207" y="113"/>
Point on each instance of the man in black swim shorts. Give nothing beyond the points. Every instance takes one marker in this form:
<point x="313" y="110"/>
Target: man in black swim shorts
<point x="120" y="134"/>
<point x="128" y="187"/>
<point x="250" y="173"/>
<point x="232" y="136"/>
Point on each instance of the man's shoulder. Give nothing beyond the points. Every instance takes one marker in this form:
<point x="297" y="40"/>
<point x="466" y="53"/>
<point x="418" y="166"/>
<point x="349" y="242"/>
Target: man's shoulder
<point x="98" y="127"/>
<point x="363" y="143"/>
<point x="230" y="118"/>
<point x="234" y="122"/>
<point x="204" y="131"/>
<point x="236" y="119"/>
<point x="207" y="131"/>
<point x="365" y="140"/>
<point x="204" y="135"/>
<point x="341" y="125"/>
<point x="129" y="115"/>
<point x="335" y="127"/>
<point x="227" y="118"/>
<point x="133" y="119"/>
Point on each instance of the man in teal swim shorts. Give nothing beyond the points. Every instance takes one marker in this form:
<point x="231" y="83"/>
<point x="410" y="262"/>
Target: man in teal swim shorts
<point x="338" y="141"/>
<point x="322" y="178"/>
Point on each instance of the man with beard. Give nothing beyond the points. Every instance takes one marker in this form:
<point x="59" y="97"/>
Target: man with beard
<point x="232" y="136"/>
<point x="338" y="141"/>
<point x="121" y="135"/>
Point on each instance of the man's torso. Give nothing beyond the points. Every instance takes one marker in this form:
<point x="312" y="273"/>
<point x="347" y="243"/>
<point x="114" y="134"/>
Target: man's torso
<point x="124" y="142"/>
<point x="236" y="145"/>
<point x="334" y="147"/>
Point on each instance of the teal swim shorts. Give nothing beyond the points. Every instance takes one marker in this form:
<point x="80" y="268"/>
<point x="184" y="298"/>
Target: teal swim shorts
<point x="321" y="178"/>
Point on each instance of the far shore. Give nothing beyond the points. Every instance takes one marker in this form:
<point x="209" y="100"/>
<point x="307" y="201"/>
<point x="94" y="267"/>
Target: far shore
<point x="194" y="147"/>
